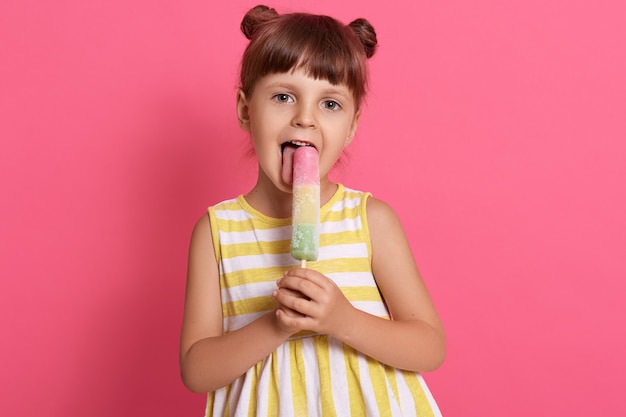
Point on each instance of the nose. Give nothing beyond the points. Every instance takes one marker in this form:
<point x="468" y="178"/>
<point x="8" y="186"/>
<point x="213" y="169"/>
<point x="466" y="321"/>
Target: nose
<point x="304" y="116"/>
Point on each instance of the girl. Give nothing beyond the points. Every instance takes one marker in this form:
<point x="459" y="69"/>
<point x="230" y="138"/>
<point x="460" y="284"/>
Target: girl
<point x="349" y="334"/>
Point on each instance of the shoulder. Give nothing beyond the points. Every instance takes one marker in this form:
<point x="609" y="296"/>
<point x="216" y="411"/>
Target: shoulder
<point x="230" y="204"/>
<point x="201" y="236"/>
<point x="203" y="225"/>
<point x="380" y="213"/>
<point x="385" y="228"/>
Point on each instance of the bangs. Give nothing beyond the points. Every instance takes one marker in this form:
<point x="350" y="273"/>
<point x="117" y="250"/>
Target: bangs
<point x="319" y="45"/>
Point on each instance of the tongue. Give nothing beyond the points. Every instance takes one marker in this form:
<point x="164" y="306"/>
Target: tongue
<point x="288" y="153"/>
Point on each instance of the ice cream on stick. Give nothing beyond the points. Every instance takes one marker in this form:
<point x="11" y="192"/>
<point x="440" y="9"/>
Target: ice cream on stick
<point x="306" y="205"/>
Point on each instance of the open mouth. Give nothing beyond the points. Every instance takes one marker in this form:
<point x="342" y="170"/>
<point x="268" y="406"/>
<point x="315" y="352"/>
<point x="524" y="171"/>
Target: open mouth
<point x="288" y="149"/>
<point x="293" y="144"/>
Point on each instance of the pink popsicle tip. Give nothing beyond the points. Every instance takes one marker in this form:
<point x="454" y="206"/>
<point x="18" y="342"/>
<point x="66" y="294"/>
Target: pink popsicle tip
<point x="306" y="166"/>
<point x="309" y="151"/>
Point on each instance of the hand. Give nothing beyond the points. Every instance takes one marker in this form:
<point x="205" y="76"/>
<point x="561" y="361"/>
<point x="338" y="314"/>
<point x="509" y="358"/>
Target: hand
<point x="286" y="311"/>
<point x="310" y="301"/>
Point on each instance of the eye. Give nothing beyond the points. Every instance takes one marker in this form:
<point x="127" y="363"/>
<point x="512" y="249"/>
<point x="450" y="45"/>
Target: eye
<point x="331" y="105"/>
<point x="283" y="98"/>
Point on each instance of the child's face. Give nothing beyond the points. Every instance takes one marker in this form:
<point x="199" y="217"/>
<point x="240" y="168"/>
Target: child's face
<point x="293" y="107"/>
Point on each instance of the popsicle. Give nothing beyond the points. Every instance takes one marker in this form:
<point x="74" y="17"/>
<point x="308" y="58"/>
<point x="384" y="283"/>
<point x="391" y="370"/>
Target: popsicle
<point x="306" y="205"/>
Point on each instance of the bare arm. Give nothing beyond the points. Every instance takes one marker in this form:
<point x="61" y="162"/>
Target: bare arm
<point x="210" y="359"/>
<point x="414" y="340"/>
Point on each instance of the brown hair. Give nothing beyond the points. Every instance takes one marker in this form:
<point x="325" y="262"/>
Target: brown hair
<point x="324" y="47"/>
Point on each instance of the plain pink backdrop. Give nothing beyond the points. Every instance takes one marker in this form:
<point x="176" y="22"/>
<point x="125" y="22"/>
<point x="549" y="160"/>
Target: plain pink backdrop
<point x="496" y="129"/>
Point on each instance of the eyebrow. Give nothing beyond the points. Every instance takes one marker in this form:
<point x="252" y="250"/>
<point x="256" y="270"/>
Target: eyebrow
<point x="338" y="91"/>
<point x="343" y="91"/>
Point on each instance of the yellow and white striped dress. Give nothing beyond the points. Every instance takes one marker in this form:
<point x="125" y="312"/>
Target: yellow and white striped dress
<point x="309" y="374"/>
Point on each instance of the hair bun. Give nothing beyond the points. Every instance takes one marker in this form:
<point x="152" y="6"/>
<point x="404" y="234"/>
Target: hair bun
<point x="255" y="18"/>
<point x="366" y="34"/>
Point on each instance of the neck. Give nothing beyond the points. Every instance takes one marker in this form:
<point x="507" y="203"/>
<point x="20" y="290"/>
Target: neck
<point x="276" y="203"/>
<point x="273" y="203"/>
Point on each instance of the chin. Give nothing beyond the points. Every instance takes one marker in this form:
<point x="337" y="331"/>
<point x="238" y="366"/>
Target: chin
<point x="285" y="188"/>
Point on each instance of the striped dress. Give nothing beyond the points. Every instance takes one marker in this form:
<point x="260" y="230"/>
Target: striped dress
<point x="309" y="374"/>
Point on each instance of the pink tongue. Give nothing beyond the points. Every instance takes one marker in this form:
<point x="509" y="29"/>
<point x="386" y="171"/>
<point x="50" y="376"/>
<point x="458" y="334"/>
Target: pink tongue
<point x="288" y="153"/>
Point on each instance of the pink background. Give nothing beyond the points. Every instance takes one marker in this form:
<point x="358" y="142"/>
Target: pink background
<point x="496" y="129"/>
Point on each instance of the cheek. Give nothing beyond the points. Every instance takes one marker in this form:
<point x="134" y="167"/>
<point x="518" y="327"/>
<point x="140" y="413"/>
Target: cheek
<point x="330" y="158"/>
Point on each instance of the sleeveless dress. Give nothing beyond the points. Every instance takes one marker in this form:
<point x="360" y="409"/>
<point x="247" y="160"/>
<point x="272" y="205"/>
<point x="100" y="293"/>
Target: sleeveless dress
<point x="309" y="374"/>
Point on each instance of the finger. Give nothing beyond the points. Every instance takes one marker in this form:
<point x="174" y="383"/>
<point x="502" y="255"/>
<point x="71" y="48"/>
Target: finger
<point x="299" y="304"/>
<point x="292" y="293"/>
<point x="284" y="322"/>
<point x="310" y="275"/>
<point x="296" y="322"/>
<point x="299" y="284"/>
<point x="289" y="312"/>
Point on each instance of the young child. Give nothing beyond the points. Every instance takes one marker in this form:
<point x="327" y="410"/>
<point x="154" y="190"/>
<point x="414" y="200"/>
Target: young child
<point x="348" y="335"/>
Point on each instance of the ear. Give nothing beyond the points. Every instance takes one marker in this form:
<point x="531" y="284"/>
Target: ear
<point x="355" y="124"/>
<point x="243" y="114"/>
